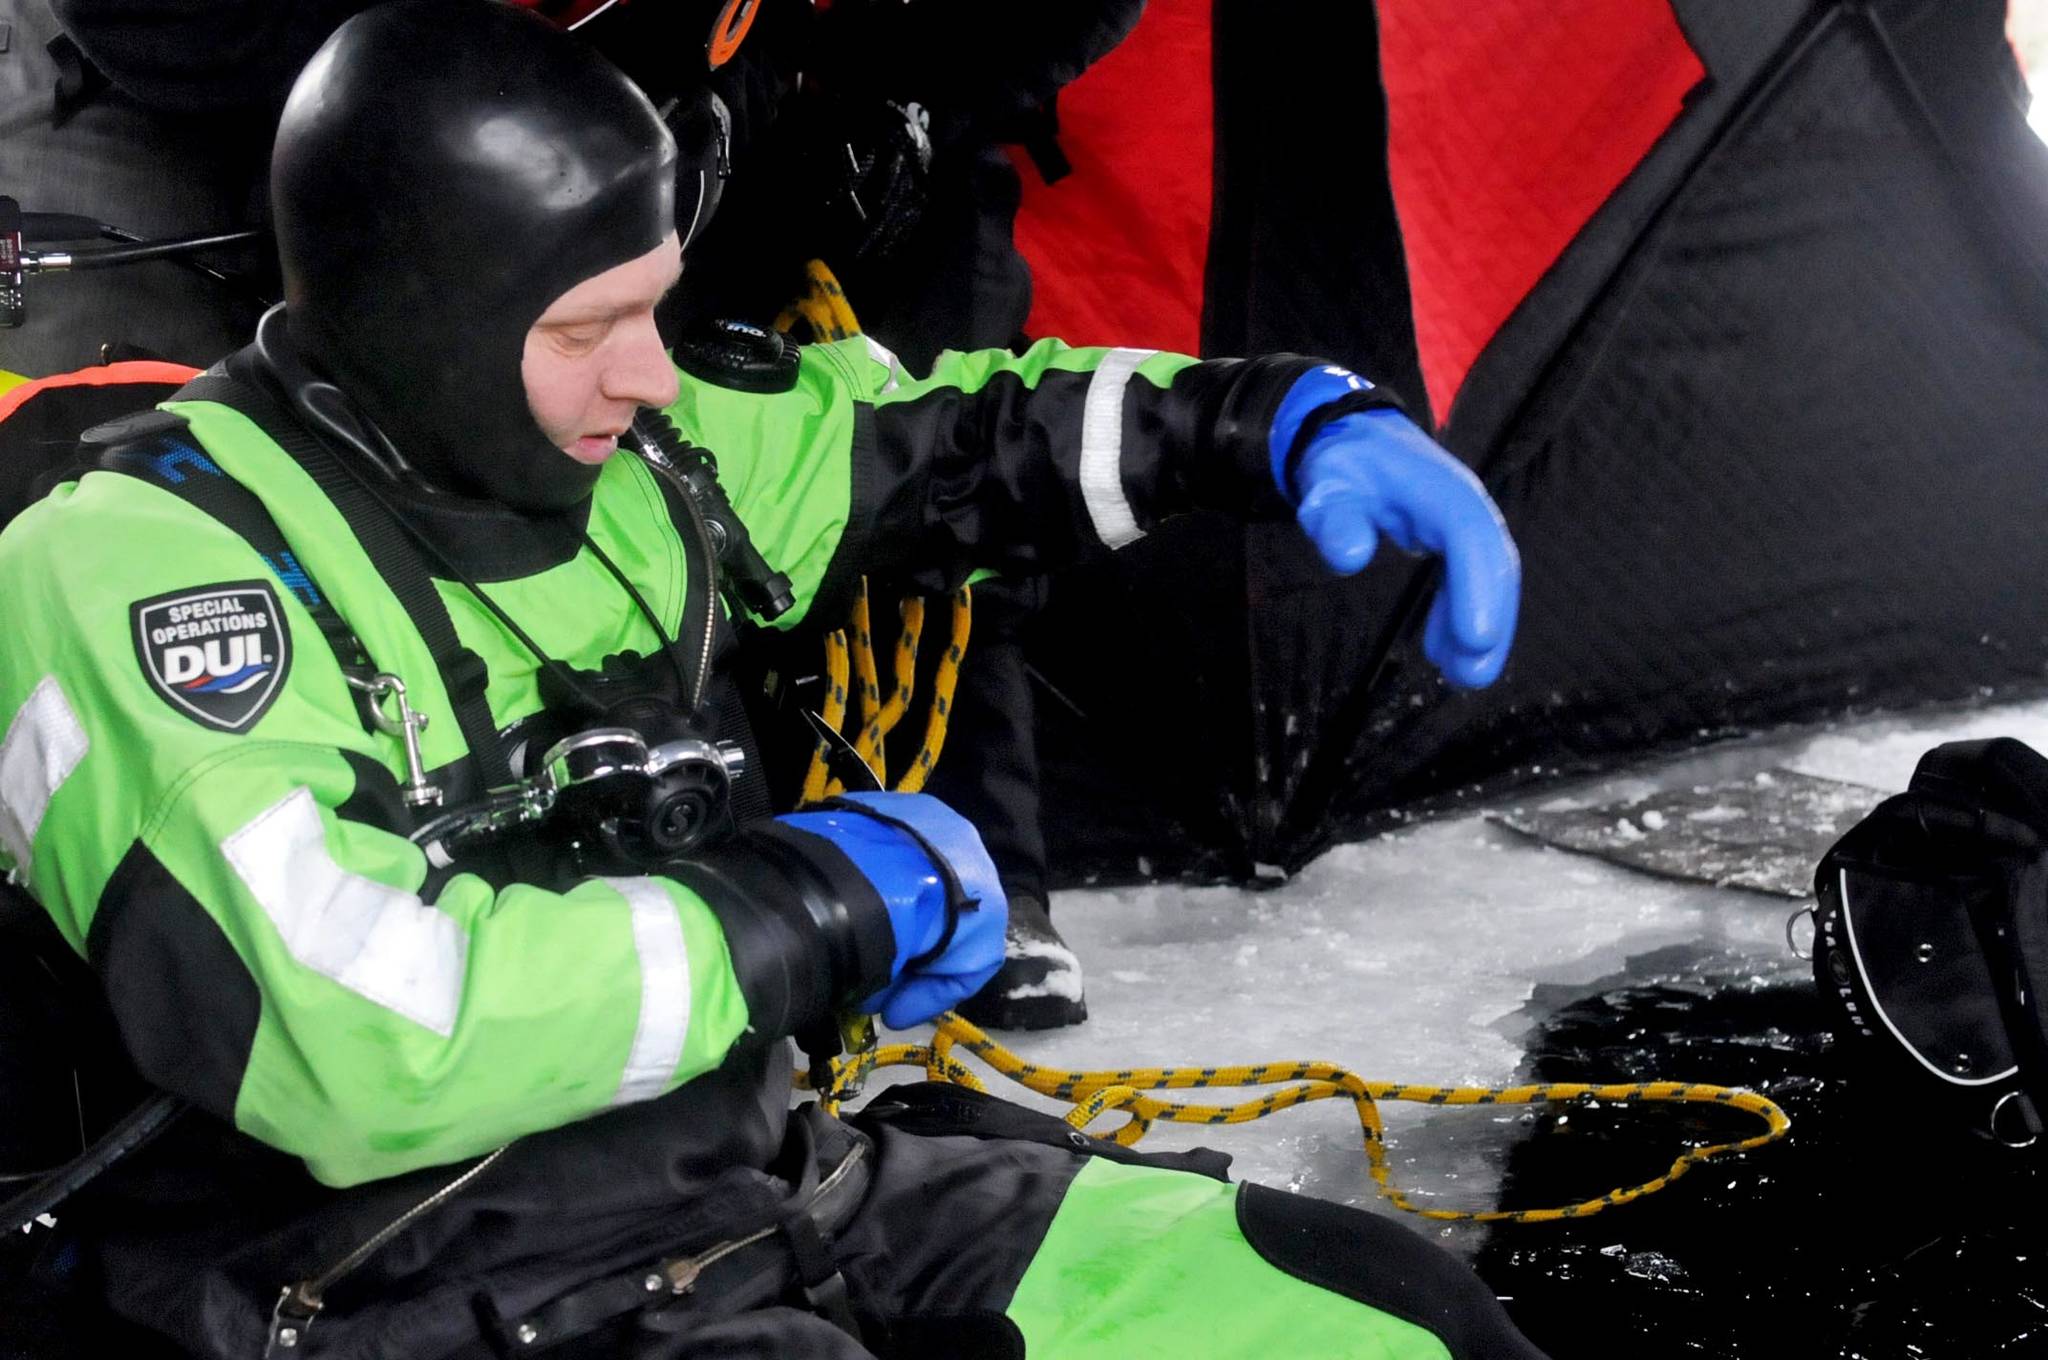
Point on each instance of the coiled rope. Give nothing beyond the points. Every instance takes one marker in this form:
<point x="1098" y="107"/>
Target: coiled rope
<point x="1094" y="1093"/>
<point x="850" y="651"/>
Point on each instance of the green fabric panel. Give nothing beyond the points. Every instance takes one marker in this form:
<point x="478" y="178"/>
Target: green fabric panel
<point x="785" y="460"/>
<point x="1160" y="368"/>
<point x="970" y="371"/>
<point x="577" y="611"/>
<point x="549" y="1010"/>
<point x="1144" y="1261"/>
<point x="546" y="1000"/>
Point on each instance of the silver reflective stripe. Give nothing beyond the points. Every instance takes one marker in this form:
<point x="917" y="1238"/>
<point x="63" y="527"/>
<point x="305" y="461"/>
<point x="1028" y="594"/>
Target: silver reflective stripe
<point x="1102" y="448"/>
<point x="380" y="942"/>
<point x="42" y="747"/>
<point x="664" y="990"/>
<point x="696" y="213"/>
<point x="886" y="357"/>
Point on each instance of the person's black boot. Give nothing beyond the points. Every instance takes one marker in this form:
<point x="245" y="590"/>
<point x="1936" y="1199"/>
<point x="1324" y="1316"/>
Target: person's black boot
<point x="1039" y="984"/>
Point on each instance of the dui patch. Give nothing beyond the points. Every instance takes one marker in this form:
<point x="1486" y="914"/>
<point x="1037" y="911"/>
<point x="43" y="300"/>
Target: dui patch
<point x="217" y="654"/>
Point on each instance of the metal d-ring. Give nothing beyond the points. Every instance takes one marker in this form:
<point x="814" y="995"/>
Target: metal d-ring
<point x="1792" y="943"/>
<point x="1991" y="1124"/>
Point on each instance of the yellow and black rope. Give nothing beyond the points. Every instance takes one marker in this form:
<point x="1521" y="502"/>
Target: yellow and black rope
<point x="822" y="307"/>
<point x="855" y="682"/>
<point x="1094" y="1093"/>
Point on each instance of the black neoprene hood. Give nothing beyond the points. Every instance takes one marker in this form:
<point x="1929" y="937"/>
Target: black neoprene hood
<point x="444" y="170"/>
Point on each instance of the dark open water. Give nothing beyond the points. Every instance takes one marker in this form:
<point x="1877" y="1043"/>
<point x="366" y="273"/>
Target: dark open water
<point x="1866" y="1234"/>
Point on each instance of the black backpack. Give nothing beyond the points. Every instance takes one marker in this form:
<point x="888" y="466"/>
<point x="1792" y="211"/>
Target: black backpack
<point x="1932" y="935"/>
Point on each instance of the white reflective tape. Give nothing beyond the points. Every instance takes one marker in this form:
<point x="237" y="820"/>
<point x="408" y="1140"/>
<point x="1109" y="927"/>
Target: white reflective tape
<point x="664" y="990"/>
<point x="42" y="747"/>
<point x="380" y="942"/>
<point x="886" y="357"/>
<point x="696" y="214"/>
<point x="1102" y="448"/>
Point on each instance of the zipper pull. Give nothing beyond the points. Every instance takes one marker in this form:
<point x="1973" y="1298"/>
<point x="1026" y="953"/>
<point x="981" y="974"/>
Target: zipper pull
<point x="682" y="1274"/>
<point x="290" y="1320"/>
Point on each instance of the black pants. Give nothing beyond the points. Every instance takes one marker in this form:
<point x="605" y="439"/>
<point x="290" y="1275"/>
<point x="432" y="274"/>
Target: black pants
<point x="1014" y="1238"/>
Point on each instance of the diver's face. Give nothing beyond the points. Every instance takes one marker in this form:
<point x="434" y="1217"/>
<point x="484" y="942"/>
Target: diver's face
<point x="593" y="358"/>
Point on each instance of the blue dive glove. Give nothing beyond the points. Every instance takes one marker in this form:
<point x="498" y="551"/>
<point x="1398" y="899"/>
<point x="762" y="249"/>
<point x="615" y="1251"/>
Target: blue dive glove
<point x="1371" y="473"/>
<point x="914" y="891"/>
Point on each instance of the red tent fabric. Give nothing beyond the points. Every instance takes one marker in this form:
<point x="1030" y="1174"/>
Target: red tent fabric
<point x="1117" y="247"/>
<point x="1509" y="122"/>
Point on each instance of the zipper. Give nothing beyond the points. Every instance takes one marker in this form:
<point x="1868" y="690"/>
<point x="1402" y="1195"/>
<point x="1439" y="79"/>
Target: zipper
<point x="682" y="1272"/>
<point x="710" y="562"/>
<point x="299" y="1304"/>
<point x="658" y="461"/>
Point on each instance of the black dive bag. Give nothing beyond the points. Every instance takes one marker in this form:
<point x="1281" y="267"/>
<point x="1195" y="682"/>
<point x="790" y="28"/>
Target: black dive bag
<point x="1931" y="937"/>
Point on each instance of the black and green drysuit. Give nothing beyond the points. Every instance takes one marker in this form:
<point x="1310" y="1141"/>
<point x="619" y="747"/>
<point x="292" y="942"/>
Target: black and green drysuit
<point x="190" y="790"/>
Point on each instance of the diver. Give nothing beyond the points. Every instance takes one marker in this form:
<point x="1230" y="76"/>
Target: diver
<point x="889" y="162"/>
<point x="517" y="1081"/>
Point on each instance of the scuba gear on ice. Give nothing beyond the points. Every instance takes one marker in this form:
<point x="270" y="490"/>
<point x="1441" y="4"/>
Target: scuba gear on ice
<point x="1931" y="937"/>
<point x="491" y="163"/>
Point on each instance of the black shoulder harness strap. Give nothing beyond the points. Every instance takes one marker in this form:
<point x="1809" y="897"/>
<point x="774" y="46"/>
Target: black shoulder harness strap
<point x="181" y="467"/>
<point x="153" y="446"/>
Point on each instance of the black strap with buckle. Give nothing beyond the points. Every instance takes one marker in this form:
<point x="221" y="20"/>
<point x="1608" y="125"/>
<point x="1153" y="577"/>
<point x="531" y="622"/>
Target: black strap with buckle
<point x="817" y="1274"/>
<point x="388" y="545"/>
<point x="153" y="446"/>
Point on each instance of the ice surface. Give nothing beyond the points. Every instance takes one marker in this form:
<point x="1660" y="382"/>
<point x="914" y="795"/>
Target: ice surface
<point x="1415" y="957"/>
<point x="1764" y="832"/>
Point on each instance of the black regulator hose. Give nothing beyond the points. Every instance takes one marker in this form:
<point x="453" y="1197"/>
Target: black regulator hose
<point x="757" y="588"/>
<point x="105" y="257"/>
<point x="136" y="1128"/>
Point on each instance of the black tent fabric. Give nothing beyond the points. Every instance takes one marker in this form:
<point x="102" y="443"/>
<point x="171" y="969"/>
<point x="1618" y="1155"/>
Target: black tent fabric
<point x="1771" y="434"/>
